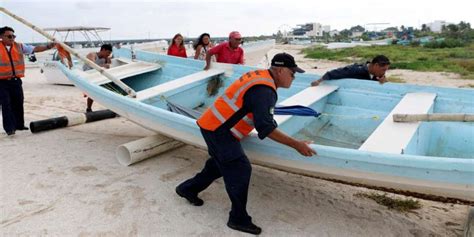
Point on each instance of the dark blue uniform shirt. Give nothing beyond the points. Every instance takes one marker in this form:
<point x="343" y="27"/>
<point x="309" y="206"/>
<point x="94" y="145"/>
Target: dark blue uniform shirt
<point x="357" y="71"/>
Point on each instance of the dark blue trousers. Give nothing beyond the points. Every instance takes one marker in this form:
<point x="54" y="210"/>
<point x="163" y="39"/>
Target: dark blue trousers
<point x="11" y="101"/>
<point x="229" y="161"/>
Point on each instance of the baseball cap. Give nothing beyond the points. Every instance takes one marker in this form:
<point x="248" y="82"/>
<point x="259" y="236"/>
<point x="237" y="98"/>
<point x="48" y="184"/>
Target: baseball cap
<point x="286" y="60"/>
<point x="235" y="35"/>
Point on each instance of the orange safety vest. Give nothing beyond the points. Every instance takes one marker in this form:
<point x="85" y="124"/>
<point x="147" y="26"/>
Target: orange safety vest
<point x="6" y="71"/>
<point x="64" y="55"/>
<point x="231" y="101"/>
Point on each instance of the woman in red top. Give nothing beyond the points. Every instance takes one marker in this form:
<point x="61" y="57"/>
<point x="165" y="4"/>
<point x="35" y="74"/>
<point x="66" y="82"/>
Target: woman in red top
<point x="177" y="47"/>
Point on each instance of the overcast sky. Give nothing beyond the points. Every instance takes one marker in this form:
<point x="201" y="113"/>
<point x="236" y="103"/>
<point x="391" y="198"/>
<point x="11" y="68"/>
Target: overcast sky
<point x="162" y="19"/>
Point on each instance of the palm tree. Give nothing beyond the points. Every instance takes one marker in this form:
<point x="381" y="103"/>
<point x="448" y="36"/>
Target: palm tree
<point x="425" y="28"/>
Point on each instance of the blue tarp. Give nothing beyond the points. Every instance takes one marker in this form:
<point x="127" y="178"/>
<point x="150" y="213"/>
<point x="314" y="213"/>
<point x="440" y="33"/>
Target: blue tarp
<point x="296" y="110"/>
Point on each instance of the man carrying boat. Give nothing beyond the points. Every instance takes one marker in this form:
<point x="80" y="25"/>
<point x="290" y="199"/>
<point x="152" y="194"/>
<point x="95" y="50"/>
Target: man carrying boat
<point x="101" y="58"/>
<point x="374" y="71"/>
<point x="247" y="103"/>
<point x="12" y="69"/>
<point x="227" y="52"/>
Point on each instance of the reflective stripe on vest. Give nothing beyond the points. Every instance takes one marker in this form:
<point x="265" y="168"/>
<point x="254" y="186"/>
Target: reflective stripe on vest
<point x="231" y="101"/>
<point x="6" y="71"/>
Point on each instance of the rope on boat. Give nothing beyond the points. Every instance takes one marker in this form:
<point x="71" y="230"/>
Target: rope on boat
<point x="111" y="87"/>
<point x="340" y="116"/>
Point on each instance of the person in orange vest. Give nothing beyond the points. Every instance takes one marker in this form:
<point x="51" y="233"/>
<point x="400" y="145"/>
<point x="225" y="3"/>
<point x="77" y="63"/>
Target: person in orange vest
<point x="246" y="104"/>
<point x="12" y="68"/>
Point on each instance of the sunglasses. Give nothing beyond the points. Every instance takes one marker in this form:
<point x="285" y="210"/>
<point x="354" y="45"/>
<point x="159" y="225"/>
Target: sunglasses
<point x="292" y="73"/>
<point x="10" y="36"/>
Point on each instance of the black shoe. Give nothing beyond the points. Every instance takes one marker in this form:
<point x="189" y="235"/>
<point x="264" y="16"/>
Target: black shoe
<point x="11" y="133"/>
<point x="23" y="128"/>
<point x="88" y="110"/>
<point x="249" y="228"/>
<point x="192" y="199"/>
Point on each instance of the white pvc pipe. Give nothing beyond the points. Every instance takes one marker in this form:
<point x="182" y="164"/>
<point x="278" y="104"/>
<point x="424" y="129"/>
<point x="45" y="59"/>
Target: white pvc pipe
<point x="469" y="226"/>
<point x="145" y="148"/>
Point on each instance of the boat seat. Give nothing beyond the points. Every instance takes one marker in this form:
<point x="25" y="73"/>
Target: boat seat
<point x="124" y="68"/>
<point x="174" y="84"/>
<point x="393" y="137"/>
<point x="305" y="97"/>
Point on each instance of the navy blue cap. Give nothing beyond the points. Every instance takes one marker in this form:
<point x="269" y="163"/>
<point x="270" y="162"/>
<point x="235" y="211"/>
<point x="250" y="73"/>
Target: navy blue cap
<point x="286" y="60"/>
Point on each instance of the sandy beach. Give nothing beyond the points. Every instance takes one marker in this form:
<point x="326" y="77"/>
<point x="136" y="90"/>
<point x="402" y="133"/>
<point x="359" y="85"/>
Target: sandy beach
<point x="67" y="182"/>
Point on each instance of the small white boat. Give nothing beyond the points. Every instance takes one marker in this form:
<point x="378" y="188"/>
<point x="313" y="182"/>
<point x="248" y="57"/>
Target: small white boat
<point x="120" y="68"/>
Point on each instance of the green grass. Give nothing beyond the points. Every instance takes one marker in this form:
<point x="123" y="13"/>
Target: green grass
<point x="457" y="60"/>
<point x="402" y="205"/>
<point x="395" y="79"/>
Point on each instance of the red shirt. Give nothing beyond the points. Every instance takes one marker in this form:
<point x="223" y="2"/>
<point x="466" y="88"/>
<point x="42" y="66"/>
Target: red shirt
<point x="225" y="54"/>
<point x="173" y="50"/>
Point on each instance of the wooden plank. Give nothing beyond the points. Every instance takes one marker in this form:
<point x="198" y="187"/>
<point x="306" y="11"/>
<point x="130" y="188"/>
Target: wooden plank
<point x="174" y="84"/>
<point x="401" y="118"/>
<point x="393" y="137"/>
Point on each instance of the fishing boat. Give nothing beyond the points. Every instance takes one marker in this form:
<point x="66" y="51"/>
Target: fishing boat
<point x="255" y="51"/>
<point x="355" y="137"/>
<point x="122" y="67"/>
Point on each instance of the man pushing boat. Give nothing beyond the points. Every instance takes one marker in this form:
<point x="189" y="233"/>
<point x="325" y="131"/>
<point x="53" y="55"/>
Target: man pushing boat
<point x="374" y="70"/>
<point x="246" y="104"/>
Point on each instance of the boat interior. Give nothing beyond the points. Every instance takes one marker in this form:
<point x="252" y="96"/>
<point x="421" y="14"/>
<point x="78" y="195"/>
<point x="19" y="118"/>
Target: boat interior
<point x="120" y="68"/>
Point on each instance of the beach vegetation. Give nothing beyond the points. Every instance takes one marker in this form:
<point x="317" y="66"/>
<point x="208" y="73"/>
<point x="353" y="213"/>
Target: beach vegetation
<point x="395" y="79"/>
<point x="456" y="60"/>
<point x="451" y="50"/>
<point x="398" y="204"/>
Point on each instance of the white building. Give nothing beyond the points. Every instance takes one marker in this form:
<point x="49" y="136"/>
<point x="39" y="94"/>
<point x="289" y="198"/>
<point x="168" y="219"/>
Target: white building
<point x="311" y="30"/>
<point x="437" y="26"/>
<point x="318" y="30"/>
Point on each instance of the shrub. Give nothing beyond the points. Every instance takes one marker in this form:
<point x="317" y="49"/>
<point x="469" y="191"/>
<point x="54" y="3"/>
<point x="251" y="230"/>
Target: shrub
<point x="447" y="43"/>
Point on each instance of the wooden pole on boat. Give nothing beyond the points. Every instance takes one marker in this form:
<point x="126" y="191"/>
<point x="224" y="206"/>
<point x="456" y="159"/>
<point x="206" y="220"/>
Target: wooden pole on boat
<point x="87" y="61"/>
<point x="433" y="117"/>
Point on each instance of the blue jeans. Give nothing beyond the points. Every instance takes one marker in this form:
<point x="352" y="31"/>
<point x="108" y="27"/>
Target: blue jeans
<point x="11" y="101"/>
<point x="229" y="161"/>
